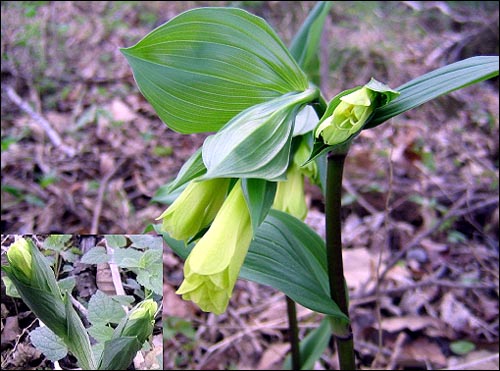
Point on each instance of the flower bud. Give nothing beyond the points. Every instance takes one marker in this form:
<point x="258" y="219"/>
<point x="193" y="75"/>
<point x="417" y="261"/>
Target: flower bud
<point x="140" y="321"/>
<point x="348" y="117"/>
<point x="195" y="208"/>
<point x="19" y="257"/>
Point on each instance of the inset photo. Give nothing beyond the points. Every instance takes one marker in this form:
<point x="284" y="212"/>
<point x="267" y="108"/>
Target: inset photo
<point x="92" y="302"/>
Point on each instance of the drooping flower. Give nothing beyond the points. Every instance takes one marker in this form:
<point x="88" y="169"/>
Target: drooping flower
<point x="213" y="266"/>
<point x="290" y="196"/>
<point x="195" y="208"/>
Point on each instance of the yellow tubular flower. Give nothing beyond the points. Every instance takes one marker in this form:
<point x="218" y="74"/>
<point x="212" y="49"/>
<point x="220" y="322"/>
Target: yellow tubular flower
<point x="195" y="208"/>
<point x="348" y="117"/>
<point x="212" y="267"/>
<point x="19" y="257"/>
<point x="290" y="194"/>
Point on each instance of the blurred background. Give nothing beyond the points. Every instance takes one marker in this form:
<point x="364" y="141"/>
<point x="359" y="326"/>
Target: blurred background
<point x="83" y="152"/>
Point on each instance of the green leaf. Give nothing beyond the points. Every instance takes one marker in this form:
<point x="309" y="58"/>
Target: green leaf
<point x="288" y="255"/>
<point x="206" y="65"/>
<point x="51" y="345"/>
<point x="116" y="240"/>
<point x="77" y="339"/>
<point x="127" y="258"/>
<point x="192" y="168"/>
<point x="56" y="242"/>
<point x="256" y="143"/>
<point x="312" y="346"/>
<point x="10" y="288"/>
<point x="119" y="353"/>
<point x="150" y="275"/>
<point x="103" y="309"/>
<point x="441" y="81"/>
<point x="259" y="195"/>
<point x="306" y="43"/>
<point x="143" y="241"/>
<point x="462" y="347"/>
<point x="101" y="332"/>
<point x="95" y="255"/>
<point x="67" y="284"/>
<point x="306" y="120"/>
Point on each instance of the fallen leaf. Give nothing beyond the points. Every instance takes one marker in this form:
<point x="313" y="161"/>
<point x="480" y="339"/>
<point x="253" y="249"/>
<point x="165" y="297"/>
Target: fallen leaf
<point x="412" y="323"/>
<point x="11" y="330"/>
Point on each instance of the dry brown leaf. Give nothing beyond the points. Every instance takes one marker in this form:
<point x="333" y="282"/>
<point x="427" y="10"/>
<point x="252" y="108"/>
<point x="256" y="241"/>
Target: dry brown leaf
<point x="421" y="352"/>
<point x="454" y="313"/>
<point x="412" y="323"/>
<point x="10" y="330"/>
<point x="272" y="358"/>
<point x="121" y="111"/>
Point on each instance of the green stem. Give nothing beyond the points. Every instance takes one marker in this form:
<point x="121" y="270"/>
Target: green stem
<point x="293" y="333"/>
<point x="341" y="331"/>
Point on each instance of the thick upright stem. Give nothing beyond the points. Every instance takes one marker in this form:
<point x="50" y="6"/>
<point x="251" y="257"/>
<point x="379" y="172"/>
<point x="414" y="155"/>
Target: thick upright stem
<point x="293" y="333"/>
<point x="342" y="333"/>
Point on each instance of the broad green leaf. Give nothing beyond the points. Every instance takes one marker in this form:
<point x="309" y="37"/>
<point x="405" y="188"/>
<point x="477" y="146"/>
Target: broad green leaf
<point x="150" y="274"/>
<point x="289" y="256"/>
<point x="206" y="65"/>
<point x="95" y="255"/>
<point x="56" y="242"/>
<point x="306" y="43"/>
<point x="116" y="240"/>
<point x="101" y="332"/>
<point x="119" y="353"/>
<point x="10" y="288"/>
<point x="127" y="258"/>
<point x="306" y="120"/>
<point x="77" y="340"/>
<point x="441" y="81"/>
<point x="51" y="345"/>
<point x="312" y="346"/>
<point x="256" y="143"/>
<point x="67" y="284"/>
<point x="103" y="309"/>
<point x="259" y="195"/>
<point x="143" y="241"/>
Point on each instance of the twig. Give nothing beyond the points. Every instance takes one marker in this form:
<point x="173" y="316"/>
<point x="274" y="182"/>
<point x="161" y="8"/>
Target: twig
<point x="100" y="197"/>
<point x="359" y="199"/>
<point x="51" y="133"/>
<point x="474" y="363"/>
<point x="115" y="274"/>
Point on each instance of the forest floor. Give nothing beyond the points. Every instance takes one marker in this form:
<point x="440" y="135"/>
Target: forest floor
<point x="420" y="205"/>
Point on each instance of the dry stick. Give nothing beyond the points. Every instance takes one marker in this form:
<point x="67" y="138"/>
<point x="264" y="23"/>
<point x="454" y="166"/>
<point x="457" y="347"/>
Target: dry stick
<point x="474" y="363"/>
<point x="100" y="197"/>
<point x="51" y="133"/>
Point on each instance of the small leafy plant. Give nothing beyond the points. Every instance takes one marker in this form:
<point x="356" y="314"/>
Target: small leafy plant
<point x="116" y="333"/>
<point x="240" y="205"/>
